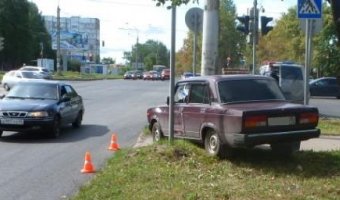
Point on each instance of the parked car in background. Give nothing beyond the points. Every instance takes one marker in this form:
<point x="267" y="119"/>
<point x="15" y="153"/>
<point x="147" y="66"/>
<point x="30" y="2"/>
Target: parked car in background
<point x="165" y="75"/>
<point x="151" y="75"/>
<point x="186" y="75"/>
<point x="45" y="73"/>
<point x="11" y="78"/>
<point x="128" y="75"/>
<point x="325" y="86"/>
<point x="40" y="106"/>
<point x="225" y="112"/>
<point x="289" y="77"/>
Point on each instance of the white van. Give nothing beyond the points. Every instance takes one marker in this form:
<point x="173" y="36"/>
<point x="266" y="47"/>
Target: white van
<point x="290" y="79"/>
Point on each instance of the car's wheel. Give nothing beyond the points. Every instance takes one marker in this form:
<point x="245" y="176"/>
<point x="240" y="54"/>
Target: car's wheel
<point x="1" y="133"/>
<point x="77" y="122"/>
<point x="55" y="129"/>
<point x="157" y="134"/>
<point x="7" y="88"/>
<point x="285" y="149"/>
<point x="214" y="147"/>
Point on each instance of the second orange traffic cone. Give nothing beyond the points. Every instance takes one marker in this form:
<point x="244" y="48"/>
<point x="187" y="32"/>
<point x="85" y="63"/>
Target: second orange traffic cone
<point x="114" y="146"/>
<point x="88" y="167"/>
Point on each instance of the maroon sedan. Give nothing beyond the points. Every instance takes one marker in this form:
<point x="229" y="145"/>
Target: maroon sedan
<point x="229" y="111"/>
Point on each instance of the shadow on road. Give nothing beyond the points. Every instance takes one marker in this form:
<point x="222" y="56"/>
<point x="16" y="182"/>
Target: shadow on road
<point x="68" y="134"/>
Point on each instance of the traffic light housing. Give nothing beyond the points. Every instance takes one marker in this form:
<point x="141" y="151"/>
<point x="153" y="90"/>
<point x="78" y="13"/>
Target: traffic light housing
<point x="264" y="24"/>
<point x="244" y="26"/>
<point x="1" y="43"/>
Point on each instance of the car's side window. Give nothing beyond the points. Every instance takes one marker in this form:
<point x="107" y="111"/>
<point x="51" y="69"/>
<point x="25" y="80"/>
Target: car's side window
<point x="199" y="93"/>
<point x="181" y="93"/>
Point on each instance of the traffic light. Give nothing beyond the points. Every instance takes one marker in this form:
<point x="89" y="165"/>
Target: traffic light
<point x="244" y="26"/>
<point x="1" y="43"/>
<point x="336" y="16"/>
<point x="264" y="27"/>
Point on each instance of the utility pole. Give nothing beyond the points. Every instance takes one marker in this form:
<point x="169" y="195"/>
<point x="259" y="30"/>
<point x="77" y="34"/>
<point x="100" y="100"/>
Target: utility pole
<point x="210" y="37"/>
<point x="58" y="41"/>
<point x="254" y="32"/>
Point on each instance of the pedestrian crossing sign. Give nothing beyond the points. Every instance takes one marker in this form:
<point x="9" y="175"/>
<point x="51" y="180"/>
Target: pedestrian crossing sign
<point x="309" y="9"/>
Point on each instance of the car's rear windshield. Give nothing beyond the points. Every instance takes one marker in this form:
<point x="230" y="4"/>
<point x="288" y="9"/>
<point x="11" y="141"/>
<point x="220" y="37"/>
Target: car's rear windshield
<point x="249" y="90"/>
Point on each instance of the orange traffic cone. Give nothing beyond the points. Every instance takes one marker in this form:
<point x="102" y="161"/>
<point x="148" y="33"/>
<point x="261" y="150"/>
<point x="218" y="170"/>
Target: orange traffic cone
<point x="88" y="167"/>
<point x="114" y="146"/>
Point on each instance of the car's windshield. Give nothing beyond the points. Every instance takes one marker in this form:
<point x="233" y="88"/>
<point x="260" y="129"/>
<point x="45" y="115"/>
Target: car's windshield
<point x="41" y="91"/>
<point x="249" y="90"/>
<point x="30" y="74"/>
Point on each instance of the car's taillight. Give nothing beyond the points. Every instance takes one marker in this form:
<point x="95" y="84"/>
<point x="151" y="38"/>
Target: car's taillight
<point x="255" y="121"/>
<point x="309" y="118"/>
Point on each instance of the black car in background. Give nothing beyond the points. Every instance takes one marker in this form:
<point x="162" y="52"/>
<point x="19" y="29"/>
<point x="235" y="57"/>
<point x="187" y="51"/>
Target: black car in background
<point x="325" y="86"/>
<point x="40" y="106"/>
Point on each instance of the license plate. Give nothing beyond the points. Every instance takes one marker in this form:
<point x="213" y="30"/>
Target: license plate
<point x="281" y="121"/>
<point x="12" y="121"/>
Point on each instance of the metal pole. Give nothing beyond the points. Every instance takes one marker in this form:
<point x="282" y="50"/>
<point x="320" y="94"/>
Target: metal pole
<point x="254" y="34"/>
<point x="136" y="66"/>
<point x="195" y="44"/>
<point x="172" y="74"/>
<point x="308" y="56"/>
<point x="58" y="41"/>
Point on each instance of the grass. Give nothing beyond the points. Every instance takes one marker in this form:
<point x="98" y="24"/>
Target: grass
<point x="184" y="171"/>
<point x="329" y="126"/>
<point x="84" y="76"/>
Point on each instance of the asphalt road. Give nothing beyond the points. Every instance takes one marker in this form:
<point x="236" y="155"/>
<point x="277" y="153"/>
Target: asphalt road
<point x="36" y="167"/>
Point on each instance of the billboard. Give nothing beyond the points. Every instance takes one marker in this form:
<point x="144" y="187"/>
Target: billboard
<point x="70" y="40"/>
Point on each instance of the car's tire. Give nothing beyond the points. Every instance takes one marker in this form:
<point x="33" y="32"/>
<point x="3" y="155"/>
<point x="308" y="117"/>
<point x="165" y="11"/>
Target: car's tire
<point x="285" y="149"/>
<point x="1" y="133"/>
<point x="214" y="147"/>
<point x="55" y="129"/>
<point x="157" y="133"/>
<point x="78" y="120"/>
<point x="6" y="87"/>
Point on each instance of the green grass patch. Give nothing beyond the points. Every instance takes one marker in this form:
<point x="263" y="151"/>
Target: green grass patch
<point x="83" y="76"/>
<point x="185" y="171"/>
<point x="329" y="126"/>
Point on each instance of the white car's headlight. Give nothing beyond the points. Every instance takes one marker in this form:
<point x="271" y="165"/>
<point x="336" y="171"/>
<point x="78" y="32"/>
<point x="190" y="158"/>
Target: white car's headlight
<point x="38" y="114"/>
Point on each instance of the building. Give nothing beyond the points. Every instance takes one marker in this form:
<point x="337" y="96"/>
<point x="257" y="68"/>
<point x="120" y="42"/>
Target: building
<point x="79" y="37"/>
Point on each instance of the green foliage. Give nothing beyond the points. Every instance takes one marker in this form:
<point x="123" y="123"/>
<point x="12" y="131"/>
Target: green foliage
<point x="287" y="42"/>
<point x="108" y="60"/>
<point x="231" y="43"/>
<point x="23" y="28"/>
<point x="174" y="2"/>
<point x="150" y="53"/>
<point x="185" y="171"/>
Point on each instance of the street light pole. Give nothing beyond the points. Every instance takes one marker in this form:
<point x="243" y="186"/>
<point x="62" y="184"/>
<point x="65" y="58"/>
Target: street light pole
<point x="58" y="41"/>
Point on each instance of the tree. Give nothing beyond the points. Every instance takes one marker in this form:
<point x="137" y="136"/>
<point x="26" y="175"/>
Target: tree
<point x="108" y="60"/>
<point x="231" y="43"/>
<point x="285" y="42"/>
<point x="150" y="53"/>
<point x="23" y="29"/>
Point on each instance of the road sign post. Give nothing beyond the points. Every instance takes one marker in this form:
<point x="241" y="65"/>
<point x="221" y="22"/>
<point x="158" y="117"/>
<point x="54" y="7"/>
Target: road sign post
<point x="308" y="10"/>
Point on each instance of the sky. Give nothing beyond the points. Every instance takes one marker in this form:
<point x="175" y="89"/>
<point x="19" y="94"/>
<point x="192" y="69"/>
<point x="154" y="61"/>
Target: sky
<point x="122" y="21"/>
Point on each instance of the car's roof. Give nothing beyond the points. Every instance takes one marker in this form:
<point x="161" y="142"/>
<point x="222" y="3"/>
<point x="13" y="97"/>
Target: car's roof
<point x="43" y="81"/>
<point x="217" y="78"/>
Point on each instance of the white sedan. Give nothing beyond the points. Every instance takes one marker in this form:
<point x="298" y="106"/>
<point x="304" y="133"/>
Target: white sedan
<point x="12" y="77"/>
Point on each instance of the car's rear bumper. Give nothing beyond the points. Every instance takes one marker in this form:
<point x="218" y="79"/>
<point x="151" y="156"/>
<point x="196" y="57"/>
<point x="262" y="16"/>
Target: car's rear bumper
<point x="29" y="125"/>
<point x="238" y="139"/>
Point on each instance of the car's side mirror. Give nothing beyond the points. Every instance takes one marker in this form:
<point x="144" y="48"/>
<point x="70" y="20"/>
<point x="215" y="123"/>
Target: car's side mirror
<point x="167" y="100"/>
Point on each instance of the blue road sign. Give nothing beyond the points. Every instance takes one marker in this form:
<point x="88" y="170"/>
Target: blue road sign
<point x="309" y="9"/>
